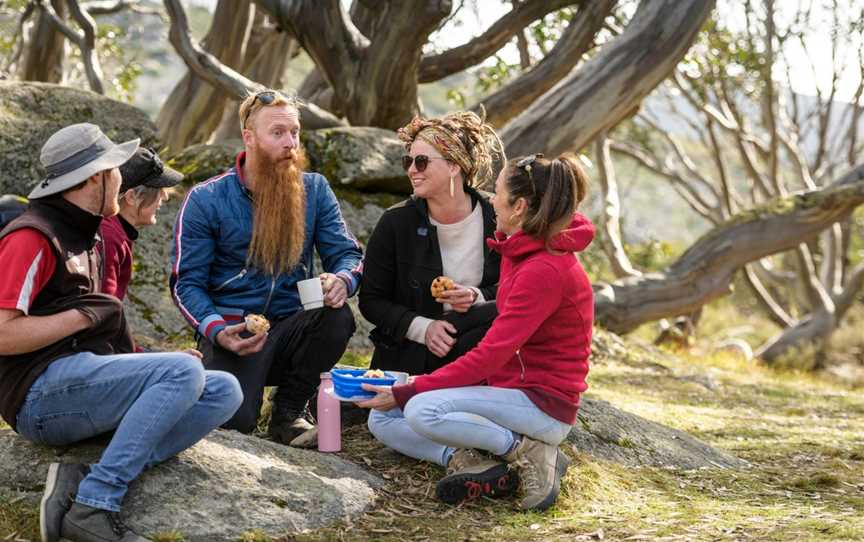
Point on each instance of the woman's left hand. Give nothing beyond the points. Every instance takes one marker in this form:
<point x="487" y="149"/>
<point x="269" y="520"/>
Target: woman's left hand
<point x="459" y="297"/>
<point x="383" y="399"/>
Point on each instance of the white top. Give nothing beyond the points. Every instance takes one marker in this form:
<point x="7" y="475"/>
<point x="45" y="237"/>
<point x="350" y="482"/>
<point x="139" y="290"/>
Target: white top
<point x="461" y="246"/>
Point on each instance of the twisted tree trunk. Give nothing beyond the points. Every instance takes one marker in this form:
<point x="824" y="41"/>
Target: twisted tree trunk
<point x="45" y="47"/>
<point x="704" y="272"/>
<point x="610" y="86"/>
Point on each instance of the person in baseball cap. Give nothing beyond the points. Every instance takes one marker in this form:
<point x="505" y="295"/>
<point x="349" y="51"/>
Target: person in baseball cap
<point x="67" y="371"/>
<point x="146" y="185"/>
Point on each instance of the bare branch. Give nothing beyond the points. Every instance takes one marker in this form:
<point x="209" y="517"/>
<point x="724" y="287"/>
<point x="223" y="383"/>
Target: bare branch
<point x="610" y="86"/>
<point x="705" y="270"/>
<point x="611" y="215"/>
<point x="87" y="44"/>
<point x="209" y="68"/>
<point x="457" y="59"/>
<point x="575" y="41"/>
<point x="772" y="308"/>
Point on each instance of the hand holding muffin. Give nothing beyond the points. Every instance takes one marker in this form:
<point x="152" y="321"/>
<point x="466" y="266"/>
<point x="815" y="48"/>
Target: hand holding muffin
<point x="446" y="290"/>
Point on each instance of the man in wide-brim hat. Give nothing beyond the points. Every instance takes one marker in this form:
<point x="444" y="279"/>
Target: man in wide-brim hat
<point x="66" y="372"/>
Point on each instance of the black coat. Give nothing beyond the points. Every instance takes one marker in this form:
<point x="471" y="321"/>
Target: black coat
<point x="402" y="258"/>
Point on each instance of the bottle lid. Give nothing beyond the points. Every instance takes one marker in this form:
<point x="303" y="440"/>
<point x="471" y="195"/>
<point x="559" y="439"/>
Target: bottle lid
<point x="325" y="375"/>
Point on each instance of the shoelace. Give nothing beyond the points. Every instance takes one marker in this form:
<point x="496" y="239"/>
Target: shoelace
<point x="528" y="474"/>
<point x="117" y="524"/>
<point x="457" y="465"/>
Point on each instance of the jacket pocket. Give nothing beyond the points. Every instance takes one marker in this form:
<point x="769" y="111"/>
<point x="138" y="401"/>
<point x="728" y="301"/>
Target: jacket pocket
<point x="238" y="276"/>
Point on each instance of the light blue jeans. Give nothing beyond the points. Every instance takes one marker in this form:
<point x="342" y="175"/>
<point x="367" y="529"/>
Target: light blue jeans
<point x="158" y="404"/>
<point x="435" y="423"/>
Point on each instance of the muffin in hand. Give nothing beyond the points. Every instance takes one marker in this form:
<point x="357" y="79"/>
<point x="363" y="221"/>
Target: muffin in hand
<point x="440" y="285"/>
<point x="257" y="324"/>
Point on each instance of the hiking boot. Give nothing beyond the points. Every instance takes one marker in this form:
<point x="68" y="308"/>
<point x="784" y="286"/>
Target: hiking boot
<point x="60" y="488"/>
<point x="87" y="524"/>
<point x="287" y="424"/>
<point x="471" y="475"/>
<point x="541" y="467"/>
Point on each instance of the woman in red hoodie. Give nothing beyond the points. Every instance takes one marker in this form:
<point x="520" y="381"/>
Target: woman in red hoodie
<point x="515" y="395"/>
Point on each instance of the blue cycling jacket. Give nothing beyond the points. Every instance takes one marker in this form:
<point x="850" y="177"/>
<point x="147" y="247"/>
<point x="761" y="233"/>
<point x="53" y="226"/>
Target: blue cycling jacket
<point x="211" y="282"/>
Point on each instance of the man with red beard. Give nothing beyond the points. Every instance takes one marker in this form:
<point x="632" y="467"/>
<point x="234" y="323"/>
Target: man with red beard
<point x="242" y="241"/>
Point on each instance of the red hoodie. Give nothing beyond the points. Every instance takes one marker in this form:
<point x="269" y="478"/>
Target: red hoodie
<point x="541" y="339"/>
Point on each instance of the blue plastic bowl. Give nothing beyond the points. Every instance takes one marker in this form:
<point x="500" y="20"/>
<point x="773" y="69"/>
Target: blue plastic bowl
<point x="346" y="382"/>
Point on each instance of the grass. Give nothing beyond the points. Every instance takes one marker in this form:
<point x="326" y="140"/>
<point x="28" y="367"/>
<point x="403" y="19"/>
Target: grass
<point x="802" y="434"/>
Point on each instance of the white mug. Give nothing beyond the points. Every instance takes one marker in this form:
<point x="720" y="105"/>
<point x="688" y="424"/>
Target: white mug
<point x="311" y="294"/>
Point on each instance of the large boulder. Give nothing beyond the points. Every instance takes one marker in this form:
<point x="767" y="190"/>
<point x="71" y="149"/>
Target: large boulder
<point x="608" y="433"/>
<point x="31" y="112"/>
<point x="361" y="158"/>
<point x="226" y="485"/>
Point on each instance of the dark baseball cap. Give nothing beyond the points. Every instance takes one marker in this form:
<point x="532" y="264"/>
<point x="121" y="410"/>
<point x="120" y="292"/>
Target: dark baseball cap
<point x="147" y="169"/>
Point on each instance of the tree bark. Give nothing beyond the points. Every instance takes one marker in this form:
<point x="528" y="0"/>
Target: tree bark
<point x="704" y="272"/>
<point x="611" y="217"/>
<point x="611" y="85"/>
<point x="577" y="39"/>
<point x="194" y="108"/>
<point x="374" y="81"/>
<point x="45" y="48"/>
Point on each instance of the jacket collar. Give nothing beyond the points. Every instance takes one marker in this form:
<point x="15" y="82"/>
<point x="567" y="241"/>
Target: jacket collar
<point x="77" y="222"/>
<point x="520" y="245"/>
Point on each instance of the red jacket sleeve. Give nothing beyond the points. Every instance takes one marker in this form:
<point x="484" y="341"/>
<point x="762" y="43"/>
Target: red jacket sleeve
<point x="111" y="258"/>
<point x="28" y="263"/>
<point x="534" y="296"/>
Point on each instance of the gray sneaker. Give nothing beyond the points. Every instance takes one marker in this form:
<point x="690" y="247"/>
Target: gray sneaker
<point x="471" y="475"/>
<point x="87" y="524"/>
<point x="61" y="485"/>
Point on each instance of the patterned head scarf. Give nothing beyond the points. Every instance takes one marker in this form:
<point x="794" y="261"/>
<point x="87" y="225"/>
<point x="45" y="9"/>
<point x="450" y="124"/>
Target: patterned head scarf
<point x="463" y="138"/>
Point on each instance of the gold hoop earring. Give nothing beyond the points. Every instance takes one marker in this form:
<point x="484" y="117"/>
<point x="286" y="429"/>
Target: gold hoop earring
<point x="452" y="188"/>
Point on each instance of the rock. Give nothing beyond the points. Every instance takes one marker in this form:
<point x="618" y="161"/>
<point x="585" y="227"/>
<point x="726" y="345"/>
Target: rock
<point x="226" y="485"/>
<point x="200" y="162"/>
<point x="362" y="158"/>
<point x="31" y="112"/>
<point x="608" y="433"/>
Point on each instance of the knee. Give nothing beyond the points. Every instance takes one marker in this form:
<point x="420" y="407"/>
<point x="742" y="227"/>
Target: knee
<point x="188" y="371"/>
<point x="420" y="411"/>
<point x="226" y="386"/>
<point x="377" y="423"/>
<point x="338" y="324"/>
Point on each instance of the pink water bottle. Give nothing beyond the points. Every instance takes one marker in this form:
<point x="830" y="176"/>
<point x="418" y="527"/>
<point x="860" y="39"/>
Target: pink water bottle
<point x="329" y="420"/>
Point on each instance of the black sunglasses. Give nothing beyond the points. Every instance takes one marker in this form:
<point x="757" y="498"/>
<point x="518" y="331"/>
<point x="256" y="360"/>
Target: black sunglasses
<point x="420" y="161"/>
<point x="266" y="97"/>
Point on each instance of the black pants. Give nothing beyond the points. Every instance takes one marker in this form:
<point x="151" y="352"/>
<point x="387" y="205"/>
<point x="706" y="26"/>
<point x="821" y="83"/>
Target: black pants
<point x="298" y="349"/>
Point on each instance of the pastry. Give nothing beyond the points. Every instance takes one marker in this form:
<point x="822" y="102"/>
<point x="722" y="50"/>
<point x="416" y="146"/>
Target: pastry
<point x="257" y="324"/>
<point x="374" y="373"/>
<point x="441" y="285"/>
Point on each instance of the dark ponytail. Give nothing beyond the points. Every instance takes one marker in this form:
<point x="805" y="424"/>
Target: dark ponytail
<point x="553" y="190"/>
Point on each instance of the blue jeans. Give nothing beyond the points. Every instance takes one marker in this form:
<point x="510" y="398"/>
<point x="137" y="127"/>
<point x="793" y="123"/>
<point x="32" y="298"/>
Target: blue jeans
<point x="158" y="404"/>
<point x="437" y="422"/>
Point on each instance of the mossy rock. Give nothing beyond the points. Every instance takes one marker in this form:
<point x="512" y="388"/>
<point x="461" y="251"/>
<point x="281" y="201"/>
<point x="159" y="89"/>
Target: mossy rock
<point x="200" y="162"/>
<point x="30" y="112"/>
<point x="361" y="158"/>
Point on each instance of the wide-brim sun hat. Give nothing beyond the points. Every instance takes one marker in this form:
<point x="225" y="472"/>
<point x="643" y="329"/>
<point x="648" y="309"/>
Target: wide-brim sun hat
<point x="74" y="153"/>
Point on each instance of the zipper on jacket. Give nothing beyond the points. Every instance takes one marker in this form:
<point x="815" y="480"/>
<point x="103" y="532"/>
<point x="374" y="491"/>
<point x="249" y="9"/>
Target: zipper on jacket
<point x="521" y="364"/>
<point x="269" y="296"/>
<point x="239" y="275"/>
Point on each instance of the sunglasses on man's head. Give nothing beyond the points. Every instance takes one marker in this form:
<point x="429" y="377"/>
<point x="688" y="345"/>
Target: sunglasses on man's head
<point x="420" y="161"/>
<point x="266" y="97"/>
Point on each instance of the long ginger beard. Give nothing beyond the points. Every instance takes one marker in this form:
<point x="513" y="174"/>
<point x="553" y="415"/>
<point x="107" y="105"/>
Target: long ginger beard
<point x="279" y="212"/>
